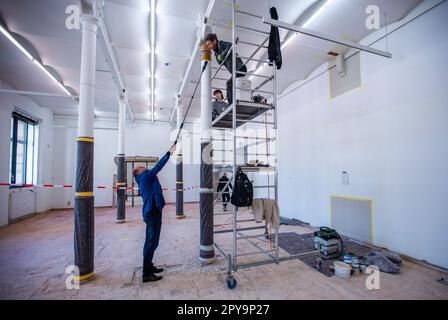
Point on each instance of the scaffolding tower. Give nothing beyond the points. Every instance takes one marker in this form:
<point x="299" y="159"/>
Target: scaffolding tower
<point x="241" y="113"/>
<point x="245" y="112"/>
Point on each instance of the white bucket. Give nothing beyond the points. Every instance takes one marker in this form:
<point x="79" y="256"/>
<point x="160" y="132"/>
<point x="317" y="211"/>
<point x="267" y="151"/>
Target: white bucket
<point x="342" y="270"/>
<point x="243" y="89"/>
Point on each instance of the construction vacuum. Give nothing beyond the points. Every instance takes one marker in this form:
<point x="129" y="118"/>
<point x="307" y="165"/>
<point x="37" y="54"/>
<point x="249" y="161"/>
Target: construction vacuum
<point x="328" y="242"/>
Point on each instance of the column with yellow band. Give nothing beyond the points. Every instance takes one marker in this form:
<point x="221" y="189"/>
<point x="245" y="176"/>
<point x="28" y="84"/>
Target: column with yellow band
<point x="121" y="191"/>
<point x="179" y="169"/>
<point x="206" y="249"/>
<point x="84" y="199"/>
<point x="84" y="210"/>
<point x="121" y="164"/>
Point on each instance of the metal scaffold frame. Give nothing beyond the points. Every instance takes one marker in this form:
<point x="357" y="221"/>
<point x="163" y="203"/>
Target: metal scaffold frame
<point x="238" y="233"/>
<point x="223" y="120"/>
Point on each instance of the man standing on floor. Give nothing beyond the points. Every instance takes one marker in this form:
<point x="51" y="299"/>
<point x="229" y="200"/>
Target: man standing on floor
<point x="153" y="203"/>
<point x="222" y="183"/>
<point x="221" y="50"/>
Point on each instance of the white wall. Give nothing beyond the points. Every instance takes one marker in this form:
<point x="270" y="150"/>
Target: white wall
<point x="43" y="200"/>
<point x="390" y="135"/>
<point x="143" y="139"/>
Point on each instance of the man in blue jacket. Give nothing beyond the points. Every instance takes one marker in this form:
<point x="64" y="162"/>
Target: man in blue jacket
<point x="153" y="203"/>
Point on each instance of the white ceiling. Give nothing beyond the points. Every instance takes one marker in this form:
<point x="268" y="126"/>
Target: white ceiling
<point x="42" y="23"/>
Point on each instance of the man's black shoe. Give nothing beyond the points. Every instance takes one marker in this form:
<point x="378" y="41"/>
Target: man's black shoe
<point x="157" y="270"/>
<point x="151" y="277"/>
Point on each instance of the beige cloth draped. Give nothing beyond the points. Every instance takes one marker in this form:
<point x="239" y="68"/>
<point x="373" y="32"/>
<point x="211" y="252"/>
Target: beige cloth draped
<point x="266" y="209"/>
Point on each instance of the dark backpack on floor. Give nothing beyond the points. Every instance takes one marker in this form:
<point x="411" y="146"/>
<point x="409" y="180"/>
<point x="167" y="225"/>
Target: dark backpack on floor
<point x="243" y="191"/>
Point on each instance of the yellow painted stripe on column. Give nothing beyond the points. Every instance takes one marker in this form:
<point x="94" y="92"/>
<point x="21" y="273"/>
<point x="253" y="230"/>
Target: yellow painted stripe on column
<point x="84" y="194"/>
<point x="179" y="182"/>
<point x="85" y="139"/>
<point x="84" y="277"/>
<point x="121" y="183"/>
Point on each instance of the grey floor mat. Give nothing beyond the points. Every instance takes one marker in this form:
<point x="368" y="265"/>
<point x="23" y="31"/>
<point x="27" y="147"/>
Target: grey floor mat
<point x="295" y="243"/>
<point x="293" y="222"/>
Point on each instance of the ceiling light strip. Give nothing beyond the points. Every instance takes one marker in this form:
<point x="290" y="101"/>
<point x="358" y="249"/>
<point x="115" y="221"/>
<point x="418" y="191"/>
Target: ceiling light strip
<point x="153" y="24"/>
<point x="11" y="38"/>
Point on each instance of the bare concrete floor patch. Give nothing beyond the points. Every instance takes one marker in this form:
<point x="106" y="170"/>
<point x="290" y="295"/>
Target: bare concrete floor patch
<point x="35" y="252"/>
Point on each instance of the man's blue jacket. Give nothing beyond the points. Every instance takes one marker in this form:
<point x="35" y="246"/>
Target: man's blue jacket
<point x="150" y="188"/>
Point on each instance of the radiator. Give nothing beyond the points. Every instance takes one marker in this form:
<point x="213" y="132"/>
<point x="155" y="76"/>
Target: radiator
<point x="22" y="202"/>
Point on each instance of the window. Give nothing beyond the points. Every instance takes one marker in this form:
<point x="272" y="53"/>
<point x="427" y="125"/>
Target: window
<point x="23" y="162"/>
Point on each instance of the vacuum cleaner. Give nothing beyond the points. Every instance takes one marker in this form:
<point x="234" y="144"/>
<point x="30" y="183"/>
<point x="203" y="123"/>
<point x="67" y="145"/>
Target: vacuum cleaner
<point x="328" y="242"/>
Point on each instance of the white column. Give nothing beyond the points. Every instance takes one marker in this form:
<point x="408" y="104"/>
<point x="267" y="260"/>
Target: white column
<point x="84" y="224"/>
<point x="121" y="125"/>
<point x="206" y="103"/>
<point x="121" y="165"/>
<point x="87" y="84"/>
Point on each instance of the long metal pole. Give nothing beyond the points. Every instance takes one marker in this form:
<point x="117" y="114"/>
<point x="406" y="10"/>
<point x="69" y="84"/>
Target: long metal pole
<point x="121" y="166"/>
<point x="347" y="43"/>
<point x="274" y="101"/>
<point x="179" y="167"/>
<point x="84" y="199"/>
<point x="206" y="252"/>
<point x="235" y="99"/>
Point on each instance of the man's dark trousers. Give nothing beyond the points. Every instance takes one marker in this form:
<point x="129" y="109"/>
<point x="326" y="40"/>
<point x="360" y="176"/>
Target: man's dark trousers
<point x="229" y="84"/>
<point x="225" y="199"/>
<point x="153" y="225"/>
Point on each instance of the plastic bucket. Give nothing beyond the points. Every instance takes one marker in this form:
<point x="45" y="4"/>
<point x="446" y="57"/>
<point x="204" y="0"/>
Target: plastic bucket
<point x="243" y="89"/>
<point x="342" y="270"/>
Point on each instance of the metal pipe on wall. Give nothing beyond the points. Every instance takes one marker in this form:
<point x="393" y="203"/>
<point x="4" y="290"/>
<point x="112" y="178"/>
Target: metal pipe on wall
<point x="179" y="167"/>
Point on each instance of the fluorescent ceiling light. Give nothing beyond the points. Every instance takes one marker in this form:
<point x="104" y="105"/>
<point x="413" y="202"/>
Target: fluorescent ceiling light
<point x="60" y="85"/>
<point x="153" y="25"/>
<point x="288" y="41"/>
<point x="41" y="67"/>
<point x="15" y="42"/>
<point x="10" y="37"/>
<point x="317" y="13"/>
<point x="305" y="25"/>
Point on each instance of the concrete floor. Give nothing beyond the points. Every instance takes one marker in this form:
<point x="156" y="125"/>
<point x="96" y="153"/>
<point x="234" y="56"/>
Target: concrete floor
<point x="35" y="252"/>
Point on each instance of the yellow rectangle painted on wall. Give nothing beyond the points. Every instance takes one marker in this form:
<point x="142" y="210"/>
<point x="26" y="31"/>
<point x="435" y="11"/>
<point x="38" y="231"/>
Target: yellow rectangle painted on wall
<point x="356" y="199"/>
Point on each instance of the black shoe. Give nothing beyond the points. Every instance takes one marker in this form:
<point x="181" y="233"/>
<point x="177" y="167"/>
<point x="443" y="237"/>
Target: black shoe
<point x="151" y="278"/>
<point x="157" y="270"/>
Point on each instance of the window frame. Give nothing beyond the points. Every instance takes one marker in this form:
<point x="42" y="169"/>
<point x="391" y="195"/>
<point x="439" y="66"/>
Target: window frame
<point x="16" y="117"/>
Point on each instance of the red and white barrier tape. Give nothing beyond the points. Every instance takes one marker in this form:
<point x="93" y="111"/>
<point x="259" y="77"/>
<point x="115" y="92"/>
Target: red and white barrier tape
<point x="69" y="186"/>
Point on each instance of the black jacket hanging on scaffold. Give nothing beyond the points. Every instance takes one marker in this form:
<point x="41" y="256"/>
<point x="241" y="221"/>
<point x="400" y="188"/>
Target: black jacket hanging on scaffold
<point x="274" y="48"/>
<point x="243" y="191"/>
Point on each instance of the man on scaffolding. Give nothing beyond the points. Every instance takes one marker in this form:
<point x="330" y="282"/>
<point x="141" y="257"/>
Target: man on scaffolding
<point x="222" y="49"/>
